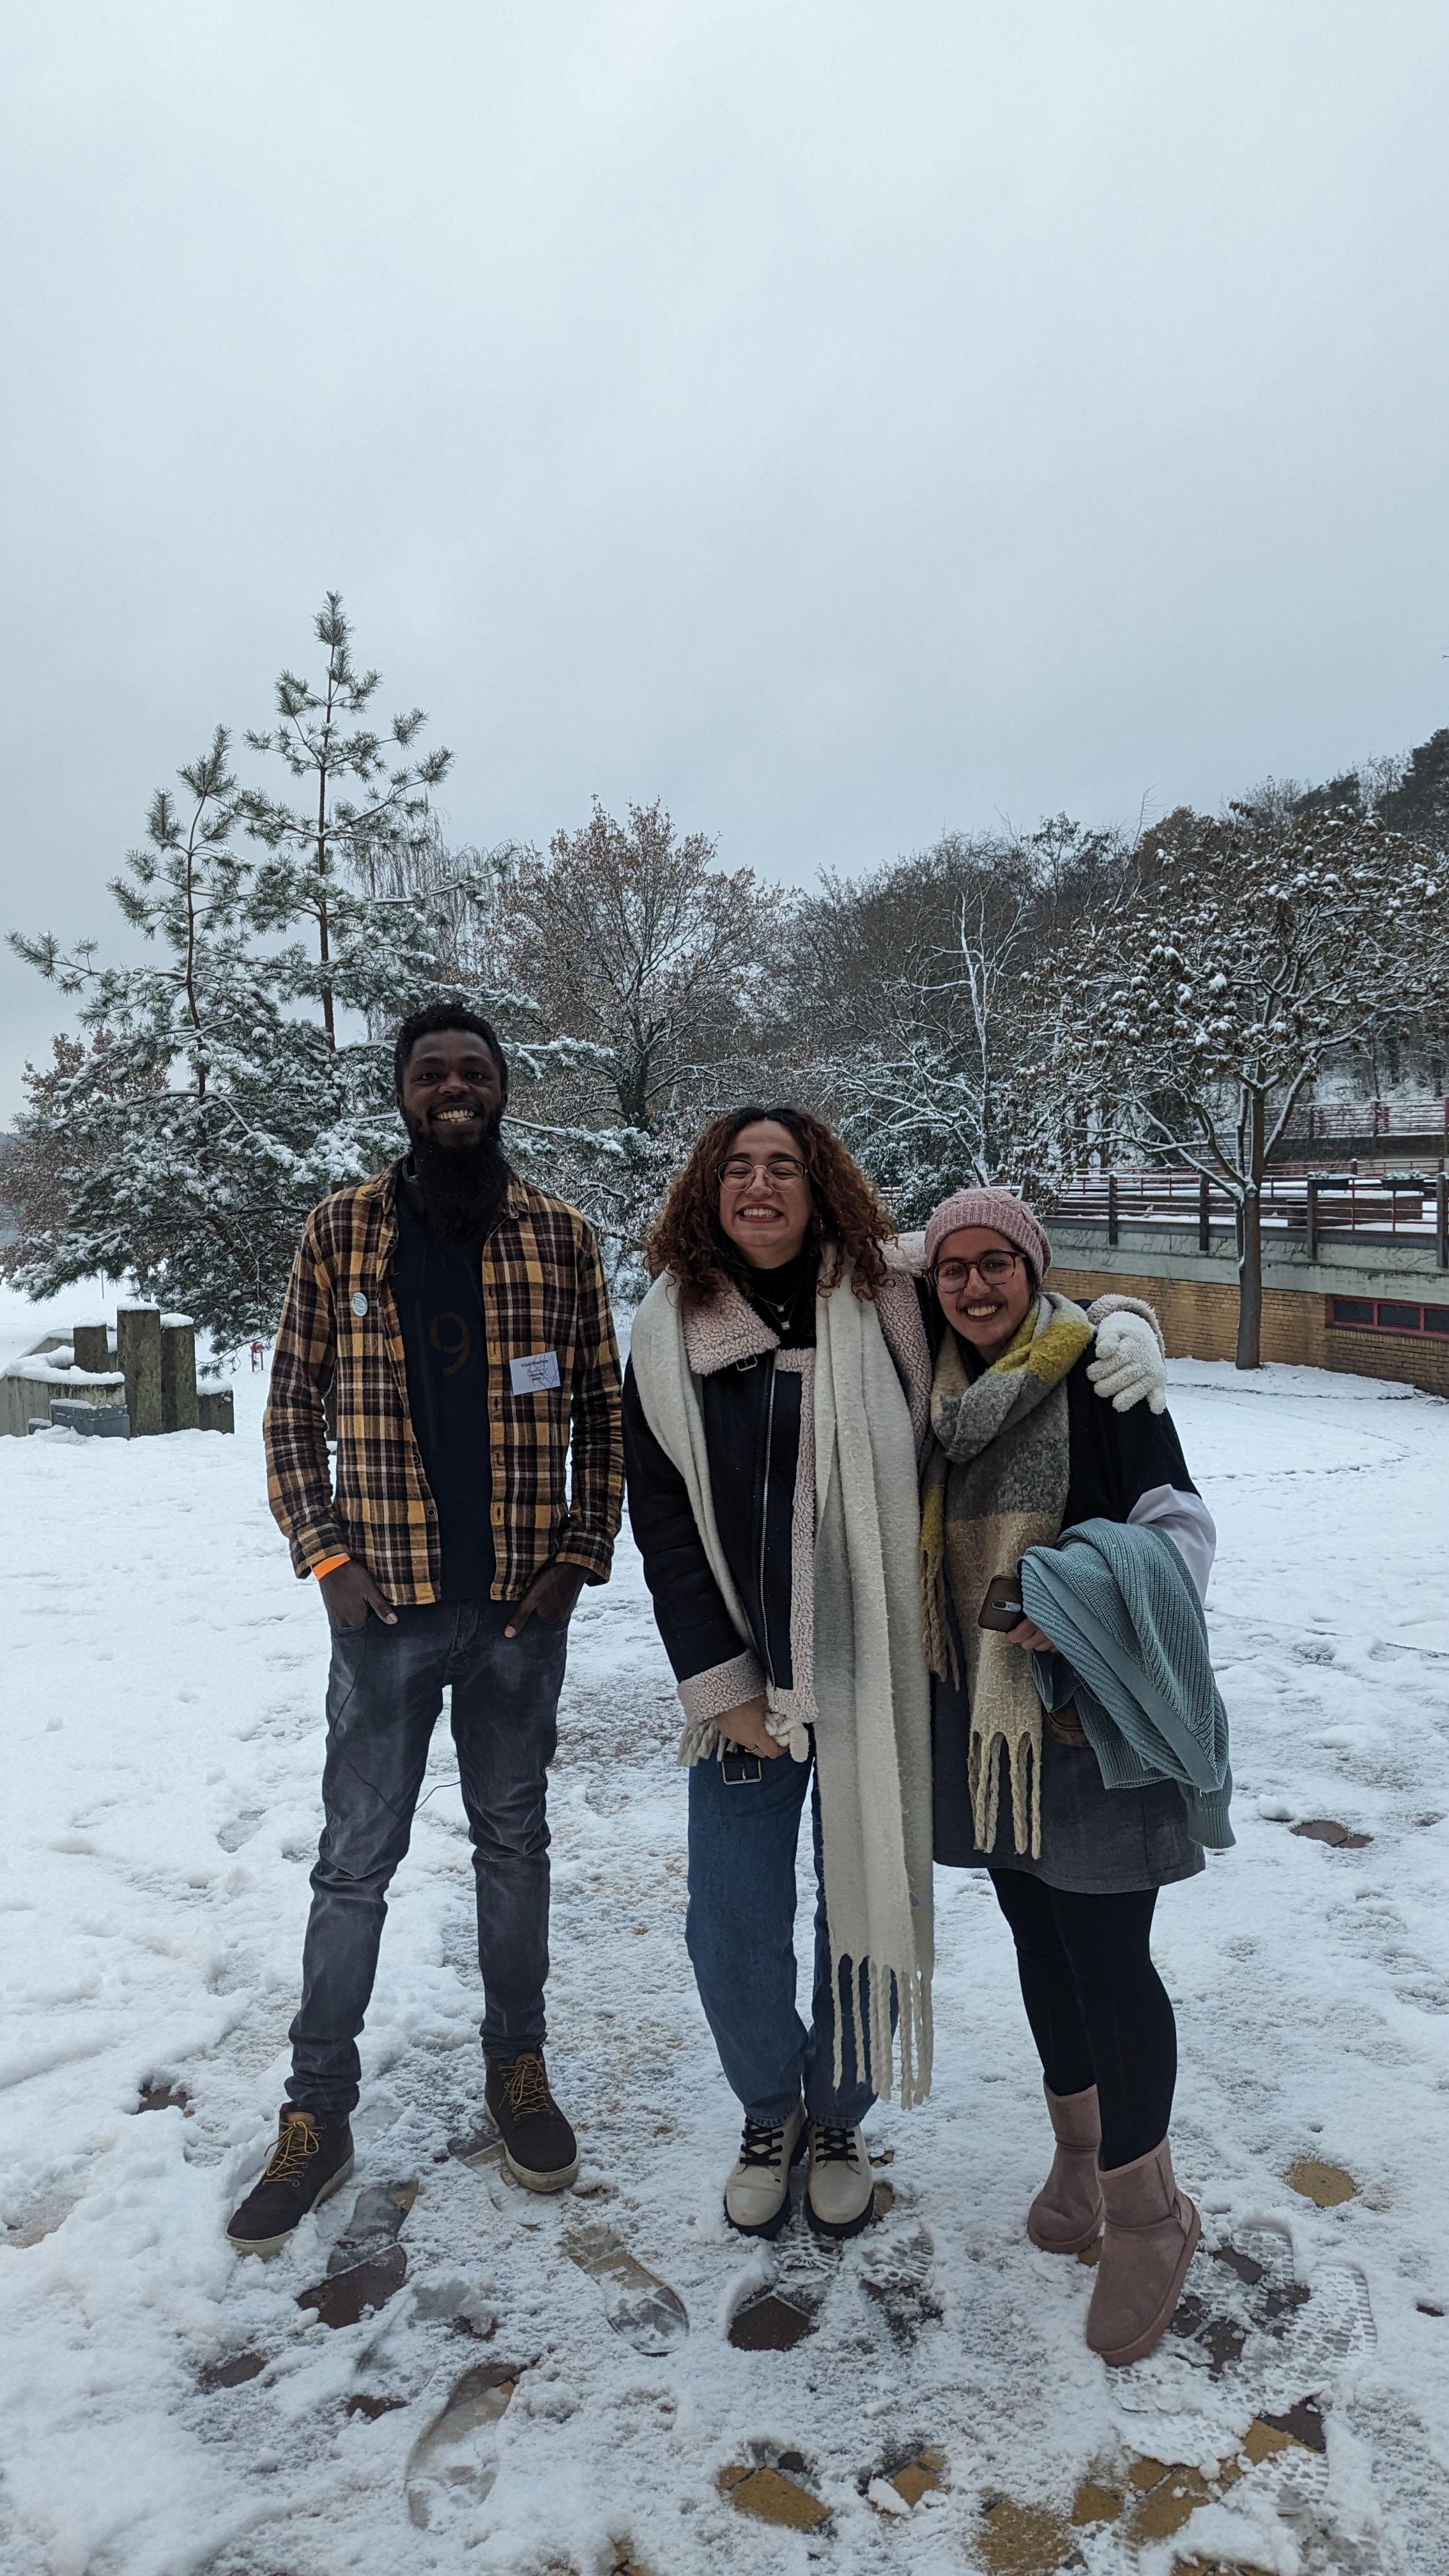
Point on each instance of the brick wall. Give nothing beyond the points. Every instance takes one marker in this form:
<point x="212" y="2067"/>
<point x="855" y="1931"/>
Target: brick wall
<point x="1199" y="1319"/>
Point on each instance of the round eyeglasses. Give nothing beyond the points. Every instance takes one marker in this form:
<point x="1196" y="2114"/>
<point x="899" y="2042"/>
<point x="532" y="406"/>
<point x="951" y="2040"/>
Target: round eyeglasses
<point x="992" y="1270"/>
<point x="780" y="1168"/>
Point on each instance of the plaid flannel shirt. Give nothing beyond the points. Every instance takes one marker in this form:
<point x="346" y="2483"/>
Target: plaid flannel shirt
<point x="543" y="1290"/>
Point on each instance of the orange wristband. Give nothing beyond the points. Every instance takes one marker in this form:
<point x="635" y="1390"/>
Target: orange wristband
<point x="330" y="1564"/>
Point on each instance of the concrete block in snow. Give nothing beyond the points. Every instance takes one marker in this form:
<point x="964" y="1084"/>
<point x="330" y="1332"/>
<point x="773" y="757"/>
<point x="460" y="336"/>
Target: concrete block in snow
<point x="93" y="1421"/>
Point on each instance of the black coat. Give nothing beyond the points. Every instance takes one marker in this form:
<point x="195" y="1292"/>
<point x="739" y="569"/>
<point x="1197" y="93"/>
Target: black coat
<point x="752" y="1440"/>
<point x="1113" y="1459"/>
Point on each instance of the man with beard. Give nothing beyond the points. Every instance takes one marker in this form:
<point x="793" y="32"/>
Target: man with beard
<point x="458" y="1318"/>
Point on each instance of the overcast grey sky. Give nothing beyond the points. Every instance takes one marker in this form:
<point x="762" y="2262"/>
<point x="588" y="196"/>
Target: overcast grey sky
<point x="846" y="421"/>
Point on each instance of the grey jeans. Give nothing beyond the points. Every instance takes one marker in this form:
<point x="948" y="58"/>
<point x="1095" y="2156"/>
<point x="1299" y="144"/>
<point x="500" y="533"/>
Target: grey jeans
<point x="384" y="1696"/>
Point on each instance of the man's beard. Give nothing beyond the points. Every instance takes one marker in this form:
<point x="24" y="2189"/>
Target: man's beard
<point x="461" y="1186"/>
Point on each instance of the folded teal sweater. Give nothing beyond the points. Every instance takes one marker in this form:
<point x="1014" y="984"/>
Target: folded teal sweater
<point x="1119" y="1604"/>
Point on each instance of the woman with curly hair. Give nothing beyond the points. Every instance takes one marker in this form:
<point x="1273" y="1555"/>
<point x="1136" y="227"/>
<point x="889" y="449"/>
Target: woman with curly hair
<point x="774" y="1410"/>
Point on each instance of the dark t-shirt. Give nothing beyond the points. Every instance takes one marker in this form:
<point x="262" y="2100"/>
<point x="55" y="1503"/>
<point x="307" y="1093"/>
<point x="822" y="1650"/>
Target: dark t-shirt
<point x="439" y="1293"/>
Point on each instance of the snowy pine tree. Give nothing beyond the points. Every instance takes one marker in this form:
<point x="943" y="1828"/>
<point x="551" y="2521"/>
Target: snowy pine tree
<point x="171" y="1141"/>
<point x="358" y="795"/>
<point x="233" y="1082"/>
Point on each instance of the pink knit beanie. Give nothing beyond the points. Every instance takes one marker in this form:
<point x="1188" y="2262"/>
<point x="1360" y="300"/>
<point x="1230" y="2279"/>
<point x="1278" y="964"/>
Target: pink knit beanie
<point x="1003" y="1213"/>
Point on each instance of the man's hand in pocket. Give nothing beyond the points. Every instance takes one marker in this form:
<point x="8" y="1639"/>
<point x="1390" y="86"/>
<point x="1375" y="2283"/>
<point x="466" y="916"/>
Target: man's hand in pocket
<point x="552" y="1596"/>
<point x="348" y="1593"/>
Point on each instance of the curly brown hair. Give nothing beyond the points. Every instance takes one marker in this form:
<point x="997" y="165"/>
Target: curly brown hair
<point x="846" y="1215"/>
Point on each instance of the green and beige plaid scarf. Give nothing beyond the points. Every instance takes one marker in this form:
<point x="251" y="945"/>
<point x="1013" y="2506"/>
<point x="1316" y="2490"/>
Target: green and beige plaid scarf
<point x="995" y="1483"/>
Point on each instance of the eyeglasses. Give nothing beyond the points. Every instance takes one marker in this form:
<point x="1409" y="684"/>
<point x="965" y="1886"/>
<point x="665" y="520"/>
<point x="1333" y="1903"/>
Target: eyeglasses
<point x="780" y="1168"/>
<point x="991" y="1270"/>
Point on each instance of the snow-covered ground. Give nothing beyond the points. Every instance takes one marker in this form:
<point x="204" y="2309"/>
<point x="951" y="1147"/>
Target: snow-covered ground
<point x="162" y="1752"/>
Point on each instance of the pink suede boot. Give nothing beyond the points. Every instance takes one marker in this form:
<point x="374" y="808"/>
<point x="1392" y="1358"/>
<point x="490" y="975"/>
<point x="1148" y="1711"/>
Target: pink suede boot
<point x="1067" y="2211"/>
<point x="1147" y="2244"/>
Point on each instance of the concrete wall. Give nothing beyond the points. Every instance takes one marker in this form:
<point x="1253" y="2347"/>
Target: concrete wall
<point x="1196" y="1297"/>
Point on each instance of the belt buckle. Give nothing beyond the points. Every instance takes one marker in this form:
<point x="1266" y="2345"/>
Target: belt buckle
<point x="734" y="1773"/>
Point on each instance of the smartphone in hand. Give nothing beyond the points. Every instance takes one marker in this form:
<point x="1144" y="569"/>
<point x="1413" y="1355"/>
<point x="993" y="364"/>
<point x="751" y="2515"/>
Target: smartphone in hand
<point x="1002" y="1607"/>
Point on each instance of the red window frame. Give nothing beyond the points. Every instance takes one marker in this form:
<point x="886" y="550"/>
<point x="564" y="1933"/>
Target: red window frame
<point x="1399" y="1308"/>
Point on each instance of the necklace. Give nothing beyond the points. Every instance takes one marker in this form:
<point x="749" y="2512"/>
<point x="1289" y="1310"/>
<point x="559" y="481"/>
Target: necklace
<point x="781" y="1310"/>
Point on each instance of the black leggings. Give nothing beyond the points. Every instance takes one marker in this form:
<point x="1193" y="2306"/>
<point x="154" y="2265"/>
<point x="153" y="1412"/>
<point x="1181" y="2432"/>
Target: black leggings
<point x="1098" y="2009"/>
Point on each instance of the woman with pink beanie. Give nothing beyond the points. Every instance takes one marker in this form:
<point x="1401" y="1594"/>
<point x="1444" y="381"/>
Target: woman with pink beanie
<point x="1020" y="1452"/>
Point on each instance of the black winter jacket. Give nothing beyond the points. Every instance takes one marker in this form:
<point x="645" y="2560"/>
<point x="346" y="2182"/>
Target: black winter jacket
<point x="752" y="1434"/>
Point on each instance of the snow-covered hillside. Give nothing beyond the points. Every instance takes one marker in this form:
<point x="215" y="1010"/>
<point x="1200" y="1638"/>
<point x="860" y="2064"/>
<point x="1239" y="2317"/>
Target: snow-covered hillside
<point x="162" y="1750"/>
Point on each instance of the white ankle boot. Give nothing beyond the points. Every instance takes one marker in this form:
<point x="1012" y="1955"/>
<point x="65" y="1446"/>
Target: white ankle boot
<point x="840" y="2197"/>
<point x="757" y="2195"/>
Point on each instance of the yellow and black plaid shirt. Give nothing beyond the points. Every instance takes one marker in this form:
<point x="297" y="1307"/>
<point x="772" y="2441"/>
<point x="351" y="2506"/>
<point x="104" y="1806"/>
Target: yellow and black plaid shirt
<point x="543" y="1290"/>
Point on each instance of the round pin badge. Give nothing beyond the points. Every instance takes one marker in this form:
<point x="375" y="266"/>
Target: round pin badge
<point x="359" y="1303"/>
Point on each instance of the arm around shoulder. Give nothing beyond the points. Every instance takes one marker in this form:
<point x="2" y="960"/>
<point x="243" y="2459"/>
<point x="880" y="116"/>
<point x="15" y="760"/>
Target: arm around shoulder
<point x="1127" y="1367"/>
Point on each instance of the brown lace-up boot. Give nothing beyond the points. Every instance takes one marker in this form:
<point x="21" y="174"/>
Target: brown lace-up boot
<point x="312" y="2158"/>
<point x="539" y="2148"/>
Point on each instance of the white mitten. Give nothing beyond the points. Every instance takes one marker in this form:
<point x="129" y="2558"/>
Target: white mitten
<point x="1129" y="1363"/>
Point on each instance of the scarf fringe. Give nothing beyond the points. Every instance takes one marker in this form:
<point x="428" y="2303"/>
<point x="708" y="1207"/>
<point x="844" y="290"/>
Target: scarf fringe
<point x="983" y="1779"/>
<point x="878" y="2048"/>
<point x="697" y="1742"/>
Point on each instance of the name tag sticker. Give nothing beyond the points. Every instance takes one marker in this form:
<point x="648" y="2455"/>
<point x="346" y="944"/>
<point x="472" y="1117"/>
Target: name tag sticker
<point x="530" y="1376"/>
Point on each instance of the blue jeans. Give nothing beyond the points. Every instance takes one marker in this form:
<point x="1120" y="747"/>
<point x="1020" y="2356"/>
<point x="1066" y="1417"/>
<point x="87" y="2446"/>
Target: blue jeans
<point x="384" y="1695"/>
<point x="744" y="1823"/>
